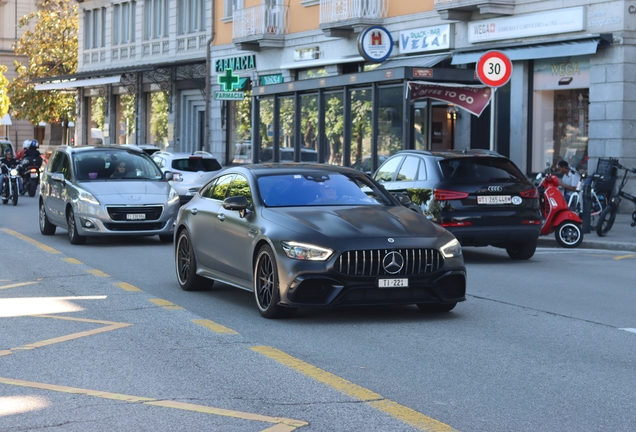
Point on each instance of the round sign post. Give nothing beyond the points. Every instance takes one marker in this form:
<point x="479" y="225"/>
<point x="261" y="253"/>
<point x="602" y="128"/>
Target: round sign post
<point x="493" y="69"/>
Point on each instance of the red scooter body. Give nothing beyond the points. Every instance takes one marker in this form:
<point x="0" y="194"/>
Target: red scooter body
<point x="557" y="217"/>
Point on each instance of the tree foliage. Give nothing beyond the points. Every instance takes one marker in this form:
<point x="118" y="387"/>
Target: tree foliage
<point x="4" y="98"/>
<point x="159" y="117"/>
<point x="51" y="50"/>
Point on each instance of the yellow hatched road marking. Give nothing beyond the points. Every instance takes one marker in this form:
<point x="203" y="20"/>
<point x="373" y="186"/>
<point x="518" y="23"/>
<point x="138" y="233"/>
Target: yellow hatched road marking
<point x="19" y="284"/>
<point x="109" y="326"/>
<point x="400" y="412"/>
<point x="72" y="260"/>
<point x="214" y="326"/>
<point x="30" y="240"/>
<point x="99" y="273"/>
<point x="127" y="287"/>
<point x="621" y="257"/>
<point x="286" y="423"/>
<point x="166" y="304"/>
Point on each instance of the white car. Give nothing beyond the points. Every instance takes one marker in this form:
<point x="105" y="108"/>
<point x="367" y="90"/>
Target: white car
<point x="190" y="171"/>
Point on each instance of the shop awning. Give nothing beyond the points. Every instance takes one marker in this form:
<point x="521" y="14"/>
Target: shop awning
<point x="415" y="61"/>
<point x="72" y="84"/>
<point x="321" y="62"/>
<point x="533" y="52"/>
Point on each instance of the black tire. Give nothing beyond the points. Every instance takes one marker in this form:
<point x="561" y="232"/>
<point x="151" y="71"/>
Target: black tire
<point x="606" y="220"/>
<point x="168" y="238"/>
<point x="436" y="307"/>
<point x="46" y="227"/>
<point x="186" y="266"/>
<point x="15" y="194"/>
<point x="266" y="286"/>
<point x="522" y="251"/>
<point x="32" y="188"/>
<point x="73" y="235"/>
<point x="569" y="234"/>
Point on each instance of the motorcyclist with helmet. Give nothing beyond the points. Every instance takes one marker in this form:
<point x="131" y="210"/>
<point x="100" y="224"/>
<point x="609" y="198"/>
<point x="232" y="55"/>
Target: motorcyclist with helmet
<point x="31" y="158"/>
<point x="8" y="162"/>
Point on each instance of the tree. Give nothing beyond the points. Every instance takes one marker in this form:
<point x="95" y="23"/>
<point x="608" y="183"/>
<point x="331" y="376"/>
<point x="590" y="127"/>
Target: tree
<point x="159" y="117"/>
<point x="4" y="98"/>
<point x="51" y="51"/>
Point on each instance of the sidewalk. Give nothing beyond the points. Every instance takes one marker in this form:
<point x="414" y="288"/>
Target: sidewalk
<point x="622" y="236"/>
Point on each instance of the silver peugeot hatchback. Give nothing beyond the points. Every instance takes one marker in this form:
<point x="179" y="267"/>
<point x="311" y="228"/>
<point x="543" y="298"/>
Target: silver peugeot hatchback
<point x="106" y="190"/>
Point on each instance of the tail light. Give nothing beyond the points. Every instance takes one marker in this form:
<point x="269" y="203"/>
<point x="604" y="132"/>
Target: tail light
<point x="446" y="195"/>
<point x="455" y="224"/>
<point x="176" y="176"/>
<point x="33" y="170"/>
<point x="530" y="193"/>
<point x="531" y="222"/>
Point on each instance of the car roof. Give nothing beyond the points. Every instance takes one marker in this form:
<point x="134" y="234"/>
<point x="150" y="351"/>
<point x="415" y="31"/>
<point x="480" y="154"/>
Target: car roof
<point x="294" y="167"/>
<point x="449" y="154"/>
<point x="99" y="147"/>
<point x="177" y="155"/>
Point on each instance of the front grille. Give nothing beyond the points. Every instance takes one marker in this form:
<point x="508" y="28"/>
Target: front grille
<point x="134" y="226"/>
<point x="369" y="262"/>
<point x="120" y="213"/>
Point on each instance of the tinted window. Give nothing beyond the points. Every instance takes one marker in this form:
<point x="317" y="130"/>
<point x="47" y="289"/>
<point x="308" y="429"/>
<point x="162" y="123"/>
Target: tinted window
<point x="219" y="192"/>
<point x="241" y="187"/>
<point x="409" y="169"/>
<point x="385" y="172"/>
<point x="195" y="164"/>
<point x="104" y="164"/>
<point x="480" y="169"/>
<point x="207" y="190"/>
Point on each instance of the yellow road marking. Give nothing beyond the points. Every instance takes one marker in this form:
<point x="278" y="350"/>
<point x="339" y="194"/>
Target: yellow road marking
<point x="127" y="287"/>
<point x="288" y="424"/>
<point x="165" y="304"/>
<point x="15" y="285"/>
<point x="109" y="326"/>
<point x="214" y="326"/>
<point x="72" y="260"/>
<point x="400" y="412"/>
<point x="624" y="257"/>
<point x="99" y="273"/>
<point x="30" y="240"/>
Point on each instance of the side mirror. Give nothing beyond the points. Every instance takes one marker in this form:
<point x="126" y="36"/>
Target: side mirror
<point x="58" y="176"/>
<point x="168" y="175"/>
<point x="236" y="203"/>
<point x="403" y="198"/>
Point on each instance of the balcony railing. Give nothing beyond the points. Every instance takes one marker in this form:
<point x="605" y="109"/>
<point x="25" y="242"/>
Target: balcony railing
<point x="334" y="11"/>
<point x="260" y="21"/>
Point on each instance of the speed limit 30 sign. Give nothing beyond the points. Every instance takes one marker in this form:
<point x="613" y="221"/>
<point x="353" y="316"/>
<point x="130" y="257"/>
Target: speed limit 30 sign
<point x="494" y="69"/>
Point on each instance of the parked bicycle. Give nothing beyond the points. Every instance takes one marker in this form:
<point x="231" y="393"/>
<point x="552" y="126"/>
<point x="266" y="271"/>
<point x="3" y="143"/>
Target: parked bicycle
<point x="598" y="198"/>
<point x="608" y="215"/>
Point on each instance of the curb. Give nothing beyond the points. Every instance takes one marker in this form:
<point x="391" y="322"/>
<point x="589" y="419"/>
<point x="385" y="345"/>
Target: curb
<point x="591" y="244"/>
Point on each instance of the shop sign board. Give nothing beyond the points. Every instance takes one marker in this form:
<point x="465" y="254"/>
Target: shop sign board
<point x="562" y="73"/>
<point x="535" y="24"/>
<point x="235" y="63"/>
<point x="494" y="69"/>
<point x="229" y="95"/>
<point x="271" y="79"/>
<point x="375" y="44"/>
<point x="228" y="82"/>
<point x="424" y="39"/>
<point x="471" y="98"/>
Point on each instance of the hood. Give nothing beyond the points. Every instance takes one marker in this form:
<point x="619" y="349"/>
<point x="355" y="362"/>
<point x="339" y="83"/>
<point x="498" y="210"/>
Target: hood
<point x="354" y="222"/>
<point x="128" y="192"/>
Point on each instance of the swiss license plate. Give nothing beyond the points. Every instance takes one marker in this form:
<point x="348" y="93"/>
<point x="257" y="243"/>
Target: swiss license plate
<point x="34" y="175"/>
<point x="496" y="199"/>
<point x="135" y="216"/>
<point x="393" y="283"/>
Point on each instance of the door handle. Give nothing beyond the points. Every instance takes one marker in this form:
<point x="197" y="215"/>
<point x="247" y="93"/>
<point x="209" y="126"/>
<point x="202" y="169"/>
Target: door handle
<point x="194" y="211"/>
<point x="221" y="217"/>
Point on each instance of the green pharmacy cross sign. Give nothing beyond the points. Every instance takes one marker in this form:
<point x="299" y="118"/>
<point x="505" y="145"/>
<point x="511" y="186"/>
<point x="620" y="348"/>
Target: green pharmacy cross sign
<point x="228" y="81"/>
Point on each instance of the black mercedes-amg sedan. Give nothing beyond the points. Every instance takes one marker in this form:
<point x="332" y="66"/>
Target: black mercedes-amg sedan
<point x="313" y="235"/>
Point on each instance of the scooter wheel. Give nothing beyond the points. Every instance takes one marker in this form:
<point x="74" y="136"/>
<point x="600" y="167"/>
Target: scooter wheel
<point x="569" y="234"/>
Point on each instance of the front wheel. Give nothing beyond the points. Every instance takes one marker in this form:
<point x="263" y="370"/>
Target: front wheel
<point x="266" y="286"/>
<point x="186" y="264"/>
<point x="606" y="220"/>
<point x="522" y="251"/>
<point x="33" y="184"/>
<point x="14" y="194"/>
<point x="73" y="235"/>
<point x="569" y="234"/>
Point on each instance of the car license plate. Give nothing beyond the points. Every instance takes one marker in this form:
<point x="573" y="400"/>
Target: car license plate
<point x="497" y="199"/>
<point x="135" y="216"/>
<point x="393" y="283"/>
<point x="34" y="175"/>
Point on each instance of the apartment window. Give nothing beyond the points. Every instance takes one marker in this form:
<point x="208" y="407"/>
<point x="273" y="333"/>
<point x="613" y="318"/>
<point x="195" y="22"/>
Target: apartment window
<point x="191" y="16"/>
<point x="124" y="23"/>
<point x="155" y="19"/>
<point x="95" y="28"/>
<point x="230" y="5"/>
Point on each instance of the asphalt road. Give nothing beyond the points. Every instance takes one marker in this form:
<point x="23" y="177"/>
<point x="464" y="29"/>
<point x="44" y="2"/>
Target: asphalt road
<point x="543" y="345"/>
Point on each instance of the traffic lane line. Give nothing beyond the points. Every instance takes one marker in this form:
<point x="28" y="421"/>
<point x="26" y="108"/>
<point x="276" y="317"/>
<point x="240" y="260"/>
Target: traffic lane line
<point x="281" y="423"/>
<point x="19" y="284"/>
<point x="166" y="304"/>
<point x="32" y="241"/>
<point x="211" y="325"/>
<point x="375" y="400"/>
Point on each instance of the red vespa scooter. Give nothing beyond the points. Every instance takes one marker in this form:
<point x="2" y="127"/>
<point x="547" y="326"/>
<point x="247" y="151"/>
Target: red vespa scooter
<point x="557" y="217"/>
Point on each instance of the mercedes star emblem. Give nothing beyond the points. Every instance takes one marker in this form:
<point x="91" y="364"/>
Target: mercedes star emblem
<point x="393" y="262"/>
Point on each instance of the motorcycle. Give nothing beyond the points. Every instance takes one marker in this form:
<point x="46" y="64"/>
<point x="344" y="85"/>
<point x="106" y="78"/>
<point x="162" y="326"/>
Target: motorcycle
<point x="10" y="188"/>
<point x="31" y="174"/>
<point x="557" y="217"/>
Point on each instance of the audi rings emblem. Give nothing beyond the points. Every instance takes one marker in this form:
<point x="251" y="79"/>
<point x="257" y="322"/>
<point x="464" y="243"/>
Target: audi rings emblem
<point x="393" y="262"/>
<point x="390" y="240"/>
<point x="495" y="189"/>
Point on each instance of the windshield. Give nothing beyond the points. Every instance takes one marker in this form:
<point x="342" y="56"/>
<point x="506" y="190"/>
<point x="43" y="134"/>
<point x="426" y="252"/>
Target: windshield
<point x="480" y="169"/>
<point x="115" y="164"/>
<point x="319" y="189"/>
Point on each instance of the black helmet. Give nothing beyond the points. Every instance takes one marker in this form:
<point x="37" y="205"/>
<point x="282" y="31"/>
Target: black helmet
<point x="8" y="151"/>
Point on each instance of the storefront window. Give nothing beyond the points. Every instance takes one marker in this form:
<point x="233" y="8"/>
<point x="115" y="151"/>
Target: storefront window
<point x="561" y="112"/>
<point x="240" y="129"/>
<point x="361" y="124"/>
<point x="287" y="126"/>
<point x="309" y="127"/>
<point x="334" y="128"/>
<point x="312" y="73"/>
<point x="391" y="120"/>
<point x="158" y="119"/>
<point x="266" y="114"/>
<point x="420" y="125"/>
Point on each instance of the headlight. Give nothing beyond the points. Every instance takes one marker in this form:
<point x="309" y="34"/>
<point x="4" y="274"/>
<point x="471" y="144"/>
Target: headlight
<point x="88" y="197"/>
<point x="451" y="249"/>
<point x="173" y="196"/>
<point x="13" y="172"/>
<point x="301" y="251"/>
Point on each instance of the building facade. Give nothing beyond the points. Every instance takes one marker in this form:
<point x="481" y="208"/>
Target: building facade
<point x="296" y="79"/>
